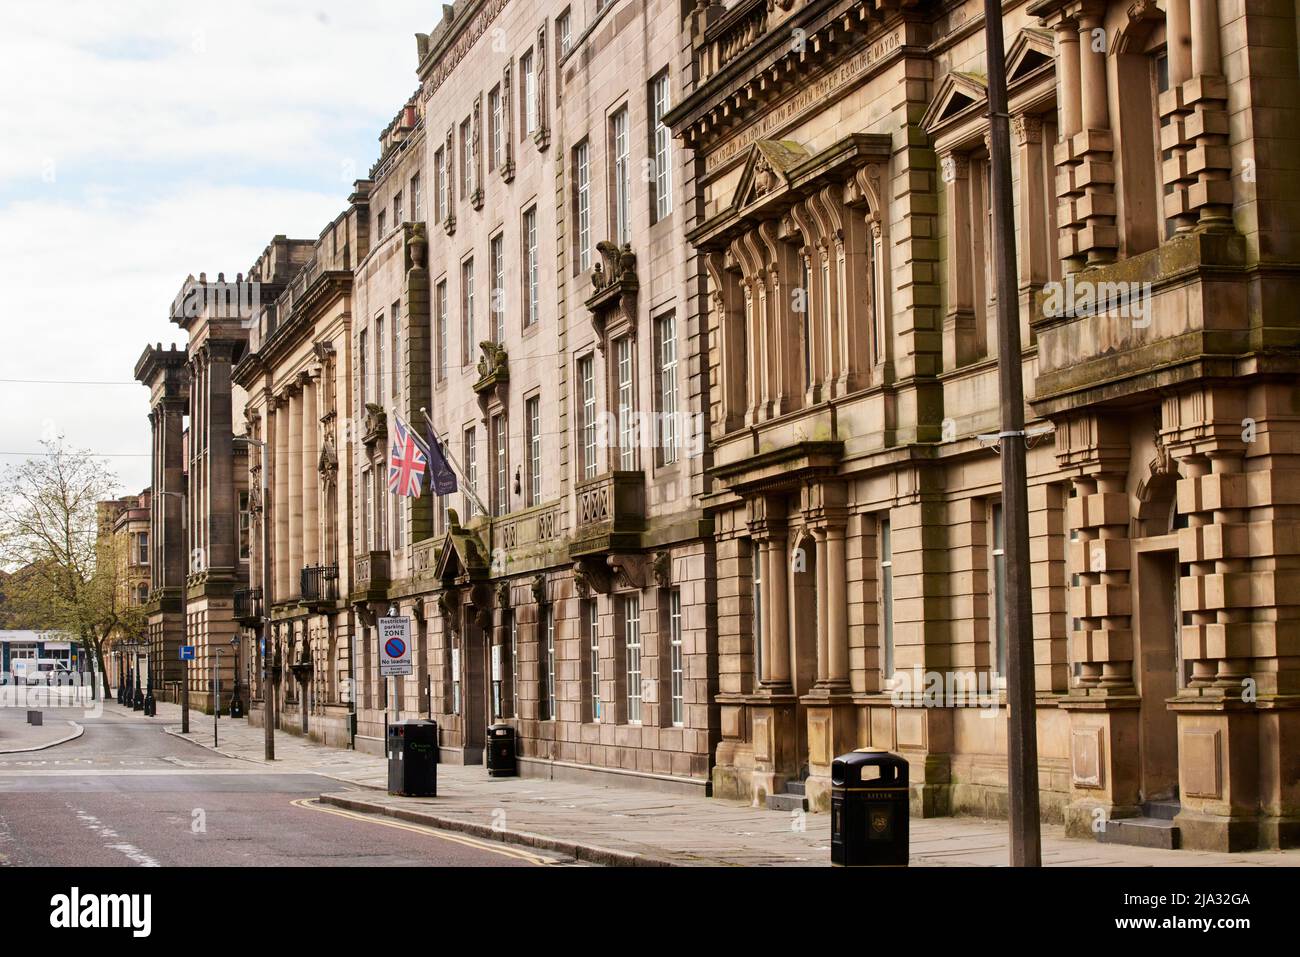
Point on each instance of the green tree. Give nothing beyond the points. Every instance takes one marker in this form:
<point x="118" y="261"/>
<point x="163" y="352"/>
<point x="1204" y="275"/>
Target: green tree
<point x="70" y="577"/>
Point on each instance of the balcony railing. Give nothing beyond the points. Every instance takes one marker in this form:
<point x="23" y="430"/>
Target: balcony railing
<point x="371" y="571"/>
<point x="610" y="513"/>
<point x="248" y="605"/>
<point x="320" y="584"/>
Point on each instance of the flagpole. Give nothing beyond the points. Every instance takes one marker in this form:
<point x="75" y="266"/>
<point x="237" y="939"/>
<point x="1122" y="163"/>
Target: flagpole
<point x="451" y="459"/>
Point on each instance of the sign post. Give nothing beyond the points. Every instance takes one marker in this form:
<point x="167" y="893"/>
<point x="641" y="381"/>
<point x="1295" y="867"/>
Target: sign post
<point x="395" y="659"/>
<point x="187" y="655"/>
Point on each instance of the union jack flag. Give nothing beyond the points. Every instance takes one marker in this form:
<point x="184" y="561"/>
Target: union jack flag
<point x="406" y="461"/>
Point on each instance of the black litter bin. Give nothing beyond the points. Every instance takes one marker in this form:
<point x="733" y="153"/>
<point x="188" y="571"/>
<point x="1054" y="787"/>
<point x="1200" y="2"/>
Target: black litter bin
<point x="502" y="759"/>
<point x="869" y="809"/>
<point x="413" y="758"/>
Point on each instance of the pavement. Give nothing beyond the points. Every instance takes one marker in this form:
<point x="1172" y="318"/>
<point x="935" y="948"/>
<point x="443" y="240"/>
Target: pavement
<point x="18" y="737"/>
<point x="627" y="826"/>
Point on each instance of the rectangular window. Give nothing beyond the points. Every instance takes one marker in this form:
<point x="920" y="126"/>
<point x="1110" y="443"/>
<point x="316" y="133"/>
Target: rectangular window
<point x="500" y="466"/>
<point x="661" y="147"/>
<point x="379" y="358"/>
<point x="592" y="615"/>
<point x="381" y="226"/>
<point x="467" y="313"/>
<point x="632" y="646"/>
<point x="676" y="664"/>
<point x="497" y="295"/>
<point x="621" y="189"/>
<point x="626" y="405"/>
<point x="380" y="487"/>
<point x="142" y="540"/>
<point x="440" y="183"/>
<point x="455" y="678"/>
<point x="494" y="128"/>
<point x="587" y="379"/>
<point x="514" y="661"/>
<point x="367" y="508"/>
<point x="441" y="306"/>
<point x="564" y="30"/>
<point x="529" y="92"/>
<point x="245" y="524"/>
<point x="415" y="198"/>
<point x="548" y="660"/>
<point x="886" y="600"/>
<point x="999" y="586"/>
<point x="531" y="259"/>
<point x="395" y="319"/>
<point x="397" y="209"/>
<point x="756" y="573"/>
<point x="363" y="369"/>
<point x="533" y="421"/>
<point x="582" y="203"/>
<point x="402" y="510"/>
<point x="466" y="160"/>
<point x="471" y="469"/>
<point x="666" y="341"/>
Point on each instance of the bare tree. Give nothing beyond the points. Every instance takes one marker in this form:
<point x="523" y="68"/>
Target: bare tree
<point x="71" y="581"/>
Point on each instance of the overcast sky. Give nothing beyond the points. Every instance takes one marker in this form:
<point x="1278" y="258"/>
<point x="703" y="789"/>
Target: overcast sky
<point x="143" y="141"/>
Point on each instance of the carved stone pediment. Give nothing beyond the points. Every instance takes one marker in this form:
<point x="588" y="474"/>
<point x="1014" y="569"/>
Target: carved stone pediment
<point x="957" y="93"/>
<point x="766" y="170"/>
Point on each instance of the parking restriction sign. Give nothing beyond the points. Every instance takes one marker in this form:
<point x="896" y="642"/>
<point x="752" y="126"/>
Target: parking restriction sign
<point x="394" y="647"/>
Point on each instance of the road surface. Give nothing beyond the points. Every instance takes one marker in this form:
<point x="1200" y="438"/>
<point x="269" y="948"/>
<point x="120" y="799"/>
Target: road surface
<point x="127" y="794"/>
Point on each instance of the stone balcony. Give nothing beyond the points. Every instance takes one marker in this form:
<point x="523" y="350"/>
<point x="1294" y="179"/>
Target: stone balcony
<point x="371" y="576"/>
<point x="609" y="514"/>
<point x="1189" y="308"/>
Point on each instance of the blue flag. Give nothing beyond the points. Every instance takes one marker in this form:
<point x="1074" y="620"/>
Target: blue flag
<point x="441" y="478"/>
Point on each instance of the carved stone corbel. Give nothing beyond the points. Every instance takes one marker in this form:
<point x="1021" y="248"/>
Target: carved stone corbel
<point x="628" y="570"/>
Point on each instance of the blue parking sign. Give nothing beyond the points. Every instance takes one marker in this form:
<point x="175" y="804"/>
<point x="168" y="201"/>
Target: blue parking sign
<point x="187" y="652"/>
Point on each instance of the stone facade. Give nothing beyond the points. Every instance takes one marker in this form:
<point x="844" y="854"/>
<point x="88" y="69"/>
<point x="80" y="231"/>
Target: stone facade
<point x="548" y="308"/>
<point x="295" y="373"/>
<point x="123" y="538"/>
<point x="854" y="491"/>
<point x="805" y="556"/>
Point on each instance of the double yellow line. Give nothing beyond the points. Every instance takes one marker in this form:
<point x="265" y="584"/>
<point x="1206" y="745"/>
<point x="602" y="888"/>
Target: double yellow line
<point x="492" y="847"/>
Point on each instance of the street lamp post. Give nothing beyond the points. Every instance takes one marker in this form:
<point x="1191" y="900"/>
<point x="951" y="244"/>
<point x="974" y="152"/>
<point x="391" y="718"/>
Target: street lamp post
<point x="268" y="693"/>
<point x="1022" y="733"/>
<point x="137" y="700"/>
<point x="236" y="706"/>
<point x="185" y="616"/>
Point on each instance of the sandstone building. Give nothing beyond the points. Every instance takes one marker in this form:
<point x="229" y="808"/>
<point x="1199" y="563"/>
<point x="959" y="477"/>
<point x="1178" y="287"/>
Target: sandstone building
<point x="698" y="298"/>
<point x="856" y="505"/>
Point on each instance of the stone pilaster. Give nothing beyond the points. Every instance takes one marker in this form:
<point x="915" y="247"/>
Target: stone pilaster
<point x="1103" y="704"/>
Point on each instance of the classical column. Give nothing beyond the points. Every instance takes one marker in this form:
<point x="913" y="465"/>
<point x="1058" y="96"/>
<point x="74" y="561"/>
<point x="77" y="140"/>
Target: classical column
<point x="959" y="334"/>
<point x="837" y="607"/>
<point x="1027" y="132"/>
<point x="310" y="477"/>
<point x="1094" y="146"/>
<point x="823" y="634"/>
<point x="281" y="476"/>
<point x="777" y="624"/>
<point x="294" y="542"/>
<point x="1067" y="71"/>
<point x="1207" y="95"/>
<point x="219" y="468"/>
